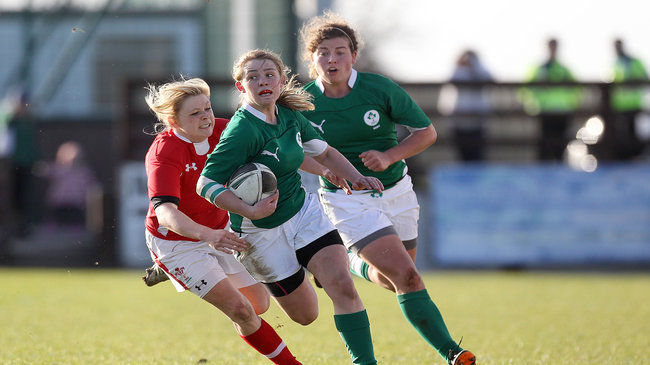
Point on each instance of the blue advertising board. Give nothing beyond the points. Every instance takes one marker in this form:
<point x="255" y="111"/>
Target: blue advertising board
<point x="536" y="216"/>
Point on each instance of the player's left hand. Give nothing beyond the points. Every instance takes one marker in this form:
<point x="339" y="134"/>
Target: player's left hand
<point x="375" y="160"/>
<point x="338" y="181"/>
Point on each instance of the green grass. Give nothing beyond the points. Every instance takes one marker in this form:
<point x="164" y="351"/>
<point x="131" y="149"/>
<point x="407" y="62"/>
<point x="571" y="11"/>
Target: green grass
<point x="109" y="317"/>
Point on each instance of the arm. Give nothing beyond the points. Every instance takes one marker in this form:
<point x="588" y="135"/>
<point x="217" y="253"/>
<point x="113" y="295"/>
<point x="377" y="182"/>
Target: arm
<point x="225" y="199"/>
<point x="313" y="167"/>
<point x="413" y="144"/>
<point x="173" y="219"/>
<point x="340" y="166"/>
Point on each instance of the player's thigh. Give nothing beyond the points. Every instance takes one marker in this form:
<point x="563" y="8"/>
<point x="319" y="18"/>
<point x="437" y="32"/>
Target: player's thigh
<point x="271" y="256"/>
<point x="355" y="216"/>
<point x="413" y="252"/>
<point x="194" y="266"/>
<point x="388" y="255"/>
<point x="400" y="204"/>
<point x="330" y="264"/>
<point x="301" y="305"/>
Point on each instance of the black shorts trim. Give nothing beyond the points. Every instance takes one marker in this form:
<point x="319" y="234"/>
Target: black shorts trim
<point x="360" y="244"/>
<point x="306" y="253"/>
<point x="286" y="286"/>
<point x="410" y="244"/>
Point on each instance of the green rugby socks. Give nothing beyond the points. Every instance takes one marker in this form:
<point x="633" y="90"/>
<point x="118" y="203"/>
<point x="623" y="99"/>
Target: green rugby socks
<point x="424" y="316"/>
<point x="354" y="329"/>
<point x="357" y="266"/>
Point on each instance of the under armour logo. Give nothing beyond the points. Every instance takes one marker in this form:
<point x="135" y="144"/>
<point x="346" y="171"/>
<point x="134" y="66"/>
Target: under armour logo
<point x="193" y="166"/>
<point x="265" y="152"/>
<point x="203" y="282"/>
<point x="318" y="126"/>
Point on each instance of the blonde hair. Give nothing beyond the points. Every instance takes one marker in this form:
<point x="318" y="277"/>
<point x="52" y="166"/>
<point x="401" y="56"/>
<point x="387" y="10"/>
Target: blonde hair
<point x="329" y="25"/>
<point x="292" y="96"/>
<point x="165" y="100"/>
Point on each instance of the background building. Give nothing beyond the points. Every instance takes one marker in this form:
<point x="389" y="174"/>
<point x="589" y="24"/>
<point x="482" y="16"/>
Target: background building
<point x="83" y="66"/>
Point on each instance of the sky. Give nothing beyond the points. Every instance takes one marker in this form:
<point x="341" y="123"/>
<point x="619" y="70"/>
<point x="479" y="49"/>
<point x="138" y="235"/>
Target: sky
<point x="420" y="40"/>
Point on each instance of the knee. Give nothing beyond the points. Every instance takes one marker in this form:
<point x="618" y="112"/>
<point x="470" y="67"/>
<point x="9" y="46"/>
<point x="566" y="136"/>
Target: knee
<point x="304" y="317"/>
<point x="409" y="280"/>
<point x="347" y="289"/>
<point x="342" y="287"/>
<point x="241" y="312"/>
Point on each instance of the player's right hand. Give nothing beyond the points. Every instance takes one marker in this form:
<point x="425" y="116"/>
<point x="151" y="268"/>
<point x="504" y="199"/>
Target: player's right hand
<point x="264" y="207"/>
<point x="338" y="181"/>
<point x="225" y="241"/>
<point x="368" y="183"/>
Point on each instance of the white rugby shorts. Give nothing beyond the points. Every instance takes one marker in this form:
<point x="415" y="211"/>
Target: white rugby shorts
<point x="195" y="266"/>
<point x="359" y="215"/>
<point x="272" y="255"/>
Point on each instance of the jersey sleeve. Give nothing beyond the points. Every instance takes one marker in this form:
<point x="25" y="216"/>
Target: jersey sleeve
<point x="307" y="132"/>
<point x="403" y="109"/>
<point x="312" y="142"/>
<point x="164" y="168"/>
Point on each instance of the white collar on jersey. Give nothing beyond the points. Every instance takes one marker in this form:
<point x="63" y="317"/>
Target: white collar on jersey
<point x="201" y="148"/>
<point x="351" y="81"/>
<point x="256" y="112"/>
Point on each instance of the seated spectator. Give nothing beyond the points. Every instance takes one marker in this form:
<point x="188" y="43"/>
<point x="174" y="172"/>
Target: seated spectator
<point x="70" y="179"/>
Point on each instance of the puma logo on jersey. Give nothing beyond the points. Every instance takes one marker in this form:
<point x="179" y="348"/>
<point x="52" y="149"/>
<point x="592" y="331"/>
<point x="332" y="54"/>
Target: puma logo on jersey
<point x="193" y="166"/>
<point x="318" y="126"/>
<point x="265" y="152"/>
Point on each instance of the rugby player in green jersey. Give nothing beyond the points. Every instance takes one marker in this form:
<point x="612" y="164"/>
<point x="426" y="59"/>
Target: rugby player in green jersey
<point x="356" y="113"/>
<point x="287" y="231"/>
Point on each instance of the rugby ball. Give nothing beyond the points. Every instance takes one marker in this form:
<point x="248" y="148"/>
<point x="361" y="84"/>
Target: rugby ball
<point x="252" y="182"/>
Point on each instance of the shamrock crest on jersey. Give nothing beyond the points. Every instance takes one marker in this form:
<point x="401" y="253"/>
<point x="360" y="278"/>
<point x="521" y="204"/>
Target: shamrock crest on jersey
<point x="274" y="154"/>
<point x="371" y="118"/>
<point x="299" y="139"/>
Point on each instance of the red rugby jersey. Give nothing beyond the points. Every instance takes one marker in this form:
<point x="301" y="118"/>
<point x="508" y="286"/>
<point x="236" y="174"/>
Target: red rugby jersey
<point x="173" y="166"/>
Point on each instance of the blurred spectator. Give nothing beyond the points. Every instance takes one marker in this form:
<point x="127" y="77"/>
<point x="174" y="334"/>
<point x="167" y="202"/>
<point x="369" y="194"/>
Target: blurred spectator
<point x="626" y="103"/>
<point x="23" y="152"/>
<point x="469" y="130"/>
<point x="70" y="181"/>
<point x="554" y="105"/>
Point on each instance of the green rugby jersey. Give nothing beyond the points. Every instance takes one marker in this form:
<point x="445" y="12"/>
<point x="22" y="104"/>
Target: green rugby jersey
<point x="248" y="138"/>
<point x="365" y="120"/>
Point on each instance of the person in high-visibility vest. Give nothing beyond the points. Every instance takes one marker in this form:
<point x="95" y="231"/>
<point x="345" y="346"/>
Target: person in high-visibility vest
<point x="554" y="105"/>
<point x="626" y="103"/>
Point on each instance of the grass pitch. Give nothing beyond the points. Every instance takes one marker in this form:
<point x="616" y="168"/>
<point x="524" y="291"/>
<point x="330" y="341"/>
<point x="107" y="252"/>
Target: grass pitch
<point x="58" y="316"/>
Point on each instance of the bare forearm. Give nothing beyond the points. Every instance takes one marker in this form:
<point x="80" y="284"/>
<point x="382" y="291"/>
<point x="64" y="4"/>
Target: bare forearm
<point x="338" y="164"/>
<point x="312" y="166"/>
<point x="176" y="221"/>
<point x="413" y="144"/>
<point x="173" y="219"/>
<point x="227" y="200"/>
